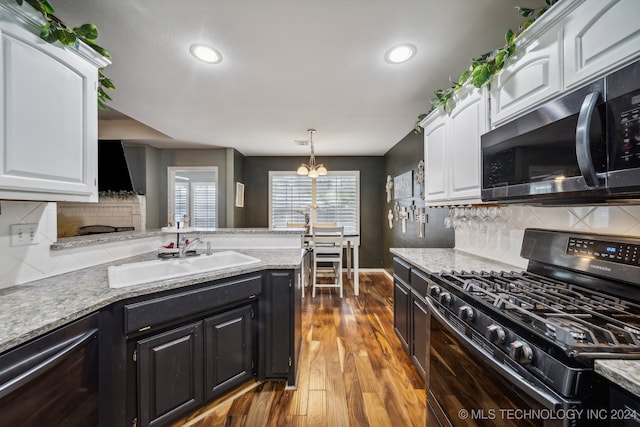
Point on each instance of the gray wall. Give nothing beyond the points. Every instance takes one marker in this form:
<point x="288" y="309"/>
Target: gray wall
<point x="256" y="175"/>
<point x="144" y="166"/>
<point x="213" y="157"/>
<point x="148" y="168"/>
<point x="235" y="173"/>
<point x="403" y="157"/>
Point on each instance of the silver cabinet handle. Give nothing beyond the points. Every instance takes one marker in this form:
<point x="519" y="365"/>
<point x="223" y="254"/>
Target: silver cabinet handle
<point x="583" y="153"/>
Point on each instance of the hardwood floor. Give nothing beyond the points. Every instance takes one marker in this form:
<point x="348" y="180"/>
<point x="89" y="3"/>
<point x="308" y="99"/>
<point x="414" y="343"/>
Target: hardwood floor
<point x="353" y="370"/>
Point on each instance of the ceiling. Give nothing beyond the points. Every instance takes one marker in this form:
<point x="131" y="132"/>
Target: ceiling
<point x="288" y="65"/>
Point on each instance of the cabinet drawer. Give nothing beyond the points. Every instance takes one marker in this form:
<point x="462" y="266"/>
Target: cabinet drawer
<point x="419" y="282"/>
<point x="401" y="270"/>
<point x="173" y="307"/>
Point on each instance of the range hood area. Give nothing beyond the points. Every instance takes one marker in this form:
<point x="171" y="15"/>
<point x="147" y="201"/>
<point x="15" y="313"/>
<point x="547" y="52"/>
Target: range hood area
<point x="118" y="209"/>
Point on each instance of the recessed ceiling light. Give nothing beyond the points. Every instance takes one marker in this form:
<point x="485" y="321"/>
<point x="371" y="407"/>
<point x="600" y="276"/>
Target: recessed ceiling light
<point x="206" y="53"/>
<point x="400" y="53"/>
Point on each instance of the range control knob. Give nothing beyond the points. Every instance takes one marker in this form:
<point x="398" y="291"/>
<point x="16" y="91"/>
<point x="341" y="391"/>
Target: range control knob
<point x="434" y="291"/>
<point x="521" y="352"/>
<point x="466" y="313"/>
<point x="495" y="334"/>
<point x="445" y="298"/>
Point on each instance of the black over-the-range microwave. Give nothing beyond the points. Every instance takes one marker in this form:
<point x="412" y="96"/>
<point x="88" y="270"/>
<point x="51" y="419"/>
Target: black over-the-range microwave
<point x="581" y="148"/>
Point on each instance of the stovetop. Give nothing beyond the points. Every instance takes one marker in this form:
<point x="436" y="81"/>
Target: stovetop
<point x="578" y="318"/>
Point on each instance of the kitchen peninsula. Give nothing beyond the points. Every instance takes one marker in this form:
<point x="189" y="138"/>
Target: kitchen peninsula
<point x="258" y="304"/>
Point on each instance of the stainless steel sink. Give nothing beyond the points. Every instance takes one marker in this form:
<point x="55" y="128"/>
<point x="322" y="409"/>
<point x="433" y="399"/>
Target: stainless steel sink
<point x="137" y="273"/>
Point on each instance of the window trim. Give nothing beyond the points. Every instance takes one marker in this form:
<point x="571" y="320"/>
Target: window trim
<point x="355" y="173"/>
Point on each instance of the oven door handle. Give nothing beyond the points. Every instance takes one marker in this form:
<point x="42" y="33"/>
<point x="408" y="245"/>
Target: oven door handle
<point x="547" y="400"/>
<point x="583" y="151"/>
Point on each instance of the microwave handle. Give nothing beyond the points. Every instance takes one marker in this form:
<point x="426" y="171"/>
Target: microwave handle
<point x="583" y="152"/>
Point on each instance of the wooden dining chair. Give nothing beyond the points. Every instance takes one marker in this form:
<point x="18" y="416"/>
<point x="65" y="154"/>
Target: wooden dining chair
<point x="328" y="243"/>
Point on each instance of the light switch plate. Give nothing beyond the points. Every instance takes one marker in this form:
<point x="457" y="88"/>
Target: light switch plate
<point x="23" y="234"/>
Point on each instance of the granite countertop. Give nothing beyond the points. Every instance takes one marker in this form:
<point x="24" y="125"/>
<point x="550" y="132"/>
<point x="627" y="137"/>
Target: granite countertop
<point x="625" y="373"/>
<point x="97" y="239"/>
<point x="32" y="309"/>
<point x="436" y="260"/>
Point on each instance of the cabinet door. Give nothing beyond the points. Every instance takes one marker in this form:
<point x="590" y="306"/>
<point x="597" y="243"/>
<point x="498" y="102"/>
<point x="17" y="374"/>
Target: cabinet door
<point x="600" y="36"/>
<point x="420" y="334"/>
<point x="169" y="374"/>
<point x="467" y="122"/>
<point x="532" y="76"/>
<point x="435" y="156"/>
<point x="279" y="319"/>
<point x="401" y="296"/>
<point x="228" y="351"/>
<point x="48" y="117"/>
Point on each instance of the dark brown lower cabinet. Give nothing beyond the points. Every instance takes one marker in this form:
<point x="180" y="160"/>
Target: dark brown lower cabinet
<point x="419" y="334"/>
<point x="281" y="325"/>
<point x="228" y="351"/>
<point x="173" y="352"/>
<point x="410" y="315"/>
<point x="401" y="297"/>
<point x="170" y="369"/>
<point x="183" y="368"/>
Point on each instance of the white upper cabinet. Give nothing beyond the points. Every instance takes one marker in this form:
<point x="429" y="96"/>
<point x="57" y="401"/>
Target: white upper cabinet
<point x="48" y="113"/>
<point x="467" y="122"/>
<point x="435" y="153"/>
<point x="572" y="44"/>
<point x="534" y="73"/>
<point x="532" y="76"/>
<point x="599" y="36"/>
<point x="452" y="149"/>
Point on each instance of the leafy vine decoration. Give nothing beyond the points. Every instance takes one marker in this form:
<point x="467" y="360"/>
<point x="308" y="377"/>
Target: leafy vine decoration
<point x="483" y="68"/>
<point x="56" y="30"/>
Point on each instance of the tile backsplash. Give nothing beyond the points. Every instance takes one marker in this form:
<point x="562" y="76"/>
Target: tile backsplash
<point x="110" y="211"/>
<point x="21" y="264"/>
<point x="501" y="238"/>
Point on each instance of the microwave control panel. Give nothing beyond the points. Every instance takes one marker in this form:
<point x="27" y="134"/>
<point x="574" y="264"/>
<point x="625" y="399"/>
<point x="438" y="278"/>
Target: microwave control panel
<point x="626" y="122"/>
<point x="618" y="252"/>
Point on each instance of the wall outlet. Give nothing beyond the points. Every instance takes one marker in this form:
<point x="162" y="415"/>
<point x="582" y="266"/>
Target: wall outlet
<point x="23" y="234"/>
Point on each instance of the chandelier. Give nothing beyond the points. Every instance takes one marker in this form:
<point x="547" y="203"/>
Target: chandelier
<point x="311" y="169"/>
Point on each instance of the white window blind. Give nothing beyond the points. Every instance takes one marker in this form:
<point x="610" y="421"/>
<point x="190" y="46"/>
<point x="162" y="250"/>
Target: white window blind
<point x="290" y="196"/>
<point x="195" y="192"/>
<point x="181" y="200"/>
<point x="336" y="201"/>
<point x="203" y="204"/>
<point x="331" y="198"/>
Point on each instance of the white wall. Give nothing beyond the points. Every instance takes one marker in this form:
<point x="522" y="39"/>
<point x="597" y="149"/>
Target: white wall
<point x="501" y="239"/>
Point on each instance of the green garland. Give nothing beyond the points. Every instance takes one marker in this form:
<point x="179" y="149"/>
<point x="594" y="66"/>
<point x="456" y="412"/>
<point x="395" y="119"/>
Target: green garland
<point x="483" y="68"/>
<point x="56" y="30"/>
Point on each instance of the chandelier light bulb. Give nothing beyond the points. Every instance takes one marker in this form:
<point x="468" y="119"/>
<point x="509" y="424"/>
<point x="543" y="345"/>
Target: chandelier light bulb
<point x="311" y="169"/>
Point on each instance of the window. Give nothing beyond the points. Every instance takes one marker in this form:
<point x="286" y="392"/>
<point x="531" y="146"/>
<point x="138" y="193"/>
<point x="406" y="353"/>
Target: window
<point x="192" y="190"/>
<point x="334" y="197"/>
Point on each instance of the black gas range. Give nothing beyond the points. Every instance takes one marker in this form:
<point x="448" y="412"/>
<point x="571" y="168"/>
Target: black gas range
<point x="534" y="334"/>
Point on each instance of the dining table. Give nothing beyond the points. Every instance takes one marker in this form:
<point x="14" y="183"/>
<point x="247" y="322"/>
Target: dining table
<point x="353" y="259"/>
